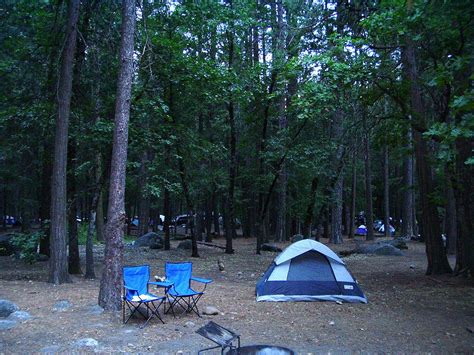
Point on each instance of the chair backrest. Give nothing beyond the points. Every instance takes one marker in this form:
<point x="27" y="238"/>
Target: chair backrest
<point x="137" y="277"/>
<point x="180" y="274"/>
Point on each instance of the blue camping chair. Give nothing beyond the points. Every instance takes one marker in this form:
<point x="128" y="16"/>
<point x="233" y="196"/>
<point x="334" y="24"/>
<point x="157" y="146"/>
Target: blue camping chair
<point x="135" y="293"/>
<point x="180" y="293"/>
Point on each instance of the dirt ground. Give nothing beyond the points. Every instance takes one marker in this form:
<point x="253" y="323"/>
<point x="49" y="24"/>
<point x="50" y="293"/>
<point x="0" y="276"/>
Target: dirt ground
<point x="407" y="312"/>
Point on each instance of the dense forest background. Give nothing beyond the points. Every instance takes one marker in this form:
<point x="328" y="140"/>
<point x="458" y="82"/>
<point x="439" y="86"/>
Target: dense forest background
<point x="278" y="117"/>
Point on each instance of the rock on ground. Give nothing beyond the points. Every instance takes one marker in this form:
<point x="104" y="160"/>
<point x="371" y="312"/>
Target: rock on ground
<point x="210" y="310"/>
<point x="89" y="342"/>
<point x="148" y="239"/>
<point x="61" y="306"/>
<point x="271" y="247"/>
<point x="7" y="307"/>
<point x="51" y="349"/>
<point x="378" y="249"/>
<point x="6" y="324"/>
<point x="397" y="243"/>
<point x="95" y="309"/>
<point x="19" y="316"/>
<point x="186" y="245"/>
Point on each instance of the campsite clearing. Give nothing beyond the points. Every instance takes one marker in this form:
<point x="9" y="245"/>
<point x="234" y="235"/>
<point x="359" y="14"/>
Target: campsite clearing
<point x="407" y="311"/>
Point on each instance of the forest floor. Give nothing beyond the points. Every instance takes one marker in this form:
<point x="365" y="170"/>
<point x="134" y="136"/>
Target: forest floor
<point x="407" y="312"/>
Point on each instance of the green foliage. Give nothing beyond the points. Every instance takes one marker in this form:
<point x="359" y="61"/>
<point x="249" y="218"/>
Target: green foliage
<point x="27" y="244"/>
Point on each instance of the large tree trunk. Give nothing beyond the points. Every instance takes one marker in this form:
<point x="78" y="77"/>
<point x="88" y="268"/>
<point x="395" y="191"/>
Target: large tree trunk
<point x="353" y="194"/>
<point x="58" y="266"/>
<point x="430" y="223"/>
<point x="167" y="212"/>
<point x="281" y="211"/>
<point x="368" y="183"/>
<point x="310" y="208"/>
<point x="408" y="208"/>
<point x="337" y="189"/>
<point x="74" y="262"/>
<point x="465" y="208"/>
<point x="336" y="211"/>
<point x="189" y="203"/>
<point x="230" y="230"/>
<point x="111" y="282"/>
<point x="386" y="193"/>
<point x="451" y="219"/>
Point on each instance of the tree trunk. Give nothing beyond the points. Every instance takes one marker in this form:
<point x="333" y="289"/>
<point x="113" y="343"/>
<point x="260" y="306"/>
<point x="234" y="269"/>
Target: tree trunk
<point x="230" y="230"/>
<point x="430" y="223"/>
<point x="408" y="209"/>
<point x="215" y="215"/>
<point x="336" y="214"/>
<point x="74" y="262"/>
<point x="281" y="212"/>
<point x="208" y="221"/>
<point x="310" y="208"/>
<point x="353" y="194"/>
<point x="368" y="183"/>
<point x="111" y="282"/>
<point x="58" y="265"/>
<point x="167" y="212"/>
<point x="90" y="273"/>
<point x="189" y="203"/>
<point x="451" y="219"/>
<point x="386" y="193"/>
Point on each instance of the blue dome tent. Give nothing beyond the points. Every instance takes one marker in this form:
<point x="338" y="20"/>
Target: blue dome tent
<point x="308" y="271"/>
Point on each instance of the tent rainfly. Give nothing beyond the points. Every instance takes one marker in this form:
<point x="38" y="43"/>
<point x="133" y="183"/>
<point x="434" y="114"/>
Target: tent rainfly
<point x="308" y="271"/>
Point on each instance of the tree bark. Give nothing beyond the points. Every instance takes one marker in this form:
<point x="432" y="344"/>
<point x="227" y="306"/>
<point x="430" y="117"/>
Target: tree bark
<point x="74" y="262"/>
<point x="386" y="193"/>
<point x="451" y="219"/>
<point x="58" y="264"/>
<point x="310" y="208"/>
<point x="111" y="282"/>
<point x="368" y="183"/>
<point x="279" y="58"/>
<point x="230" y="230"/>
<point x="353" y="194"/>
<point x="408" y="209"/>
<point x="189" y="203"/>
<point x="436" y="253"/>
<point x="167" y="210"/>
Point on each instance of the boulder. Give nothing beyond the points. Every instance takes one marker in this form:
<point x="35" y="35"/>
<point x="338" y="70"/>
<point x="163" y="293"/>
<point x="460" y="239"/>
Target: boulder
<point x="157" y="245"/>
<point x="210" y="310"/>
<point x="148" y="239"/>
<point x="297" y="238"/>
<point x="88" y="342"/>
<point x="7" y="307"/>
<point x="271" y="247"/>
<point x="19" y="316"/>
<point x="397" y="243"/>
<point x="6" y="324"/>
<point x="186" y="245"/>
<point x="95" y="309"/>
<point x="51" y="349"/>
<point x="61" y="306"/>
<point x="378" y="249"/>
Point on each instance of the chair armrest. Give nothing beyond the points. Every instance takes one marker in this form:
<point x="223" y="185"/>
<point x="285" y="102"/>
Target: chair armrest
<point x="161" y="283"/>
<point x="198" y="279"/>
